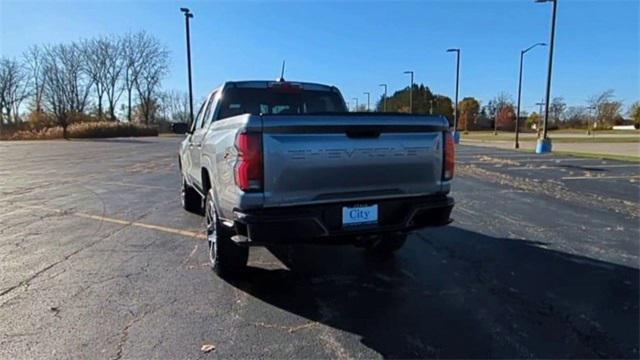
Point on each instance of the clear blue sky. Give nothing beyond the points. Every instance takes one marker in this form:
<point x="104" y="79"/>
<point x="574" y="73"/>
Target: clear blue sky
<point x="358" y="45"/>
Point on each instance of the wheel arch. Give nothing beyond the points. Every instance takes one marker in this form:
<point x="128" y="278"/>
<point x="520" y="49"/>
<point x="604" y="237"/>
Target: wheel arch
<point x="206" y="180"/>
<point x="207" y="184"/>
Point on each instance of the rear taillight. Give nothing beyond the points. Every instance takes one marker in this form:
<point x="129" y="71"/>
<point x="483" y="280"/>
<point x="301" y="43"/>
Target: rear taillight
<point x="248" y="169"/>
<point x="449" y="162"/>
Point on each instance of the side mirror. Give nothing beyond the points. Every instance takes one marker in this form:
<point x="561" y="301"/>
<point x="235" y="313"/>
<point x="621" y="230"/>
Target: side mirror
<point x="179" y="128"/>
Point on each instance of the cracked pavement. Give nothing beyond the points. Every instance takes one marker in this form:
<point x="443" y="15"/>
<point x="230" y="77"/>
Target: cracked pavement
<point x="98" y="260"/>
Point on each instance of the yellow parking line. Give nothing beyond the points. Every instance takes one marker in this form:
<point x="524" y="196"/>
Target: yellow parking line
<point x="102" y="218"/>
<point x="160" y="228"/>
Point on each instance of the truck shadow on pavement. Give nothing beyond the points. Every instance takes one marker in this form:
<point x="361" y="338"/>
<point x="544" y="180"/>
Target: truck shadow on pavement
<point x="455" y="293"/>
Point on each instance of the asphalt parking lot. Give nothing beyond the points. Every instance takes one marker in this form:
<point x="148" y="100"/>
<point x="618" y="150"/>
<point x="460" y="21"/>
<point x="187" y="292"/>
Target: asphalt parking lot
<point x="97" y="259"/>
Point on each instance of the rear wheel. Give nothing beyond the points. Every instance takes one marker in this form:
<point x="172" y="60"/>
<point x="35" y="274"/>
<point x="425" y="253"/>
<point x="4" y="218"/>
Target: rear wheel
<point x="225" y="256"/>
<point x="387" y="244"/>
<point x="191" y="200"/>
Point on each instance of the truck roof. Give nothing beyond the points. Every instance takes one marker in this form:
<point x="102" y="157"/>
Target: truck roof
<point x="269" y="83"/>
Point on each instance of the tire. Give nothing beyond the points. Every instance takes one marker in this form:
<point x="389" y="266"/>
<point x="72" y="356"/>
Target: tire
<point x="191" y="200"/>
<point x="225" y="256"/>
<point x="387" y="244"/>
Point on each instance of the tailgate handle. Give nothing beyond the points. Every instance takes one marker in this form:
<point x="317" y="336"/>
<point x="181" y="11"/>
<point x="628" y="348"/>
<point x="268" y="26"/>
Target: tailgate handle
<point x="362" y="133"/>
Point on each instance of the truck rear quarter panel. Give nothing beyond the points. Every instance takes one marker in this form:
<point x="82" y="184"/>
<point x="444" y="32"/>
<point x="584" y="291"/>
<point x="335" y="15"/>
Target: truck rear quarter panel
<point x="219" y="156"/>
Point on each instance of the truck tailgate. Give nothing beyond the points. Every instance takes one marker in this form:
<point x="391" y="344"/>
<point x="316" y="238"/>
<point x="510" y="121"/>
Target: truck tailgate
<point x="326" y="158"/>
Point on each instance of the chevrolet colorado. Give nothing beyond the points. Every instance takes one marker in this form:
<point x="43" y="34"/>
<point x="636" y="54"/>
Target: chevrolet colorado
<point x="285" y="162"/>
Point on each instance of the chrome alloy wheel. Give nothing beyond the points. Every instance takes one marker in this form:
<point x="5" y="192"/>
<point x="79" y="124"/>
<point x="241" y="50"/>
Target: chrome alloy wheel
<point x="212" y="231"/>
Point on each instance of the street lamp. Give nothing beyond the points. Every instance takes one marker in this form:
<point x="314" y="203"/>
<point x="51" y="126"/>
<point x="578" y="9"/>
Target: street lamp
<point x="517" y="145"/>
<point x="544" y="144"/>
<point x="368" y="100"/>
<point x="410" y="92"/>
<point x="456" y="135"/>
<point x="188" y="15"/>
<point x="356" y="100"/>
<point x="384" y="100"/>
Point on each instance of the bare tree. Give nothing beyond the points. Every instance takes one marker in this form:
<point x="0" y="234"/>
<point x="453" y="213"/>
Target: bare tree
<point x="104" y="63"/>
<point x="163" y="105"/>
<point x="67" y="86"/>
<point x="577" y="116"/>
<point x="13" y="90"/>
<point x="634" y="113"/>
<point x="94" y="56"/>
<point x="495" y="105"/>
<point x="133" y="55"/>
<point x="152" y="69"/>
<point x="177" y="104"/>
<point x="557" y="109"/>
<point x="34" y="59"/>
<point x="115" y="65"/>
<point x="607" y="109"/>
<point x="498" y="102"/>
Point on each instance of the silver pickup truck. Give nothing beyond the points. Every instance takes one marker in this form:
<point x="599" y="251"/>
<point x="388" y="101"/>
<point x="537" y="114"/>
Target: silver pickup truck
<point x="285" y="162"/>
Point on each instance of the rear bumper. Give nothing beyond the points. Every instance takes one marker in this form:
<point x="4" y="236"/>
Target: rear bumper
<point x="323" y="223"/>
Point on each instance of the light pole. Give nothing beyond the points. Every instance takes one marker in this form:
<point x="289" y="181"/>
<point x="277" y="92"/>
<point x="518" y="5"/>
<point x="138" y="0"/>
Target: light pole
<point x="356" y="100"/>
<point x="544" y="144"/>
<point x="495" y="120"/>
<point x="456" y="135"/>
<point x="368" y="100"/>
<point x="188" y="15"/>
<point x="517" y="145"/>
<point x="410" y="92"/>
<point x="384" y="99"/>
<point x="591" y="115"/>
<point x="540" y="104"/>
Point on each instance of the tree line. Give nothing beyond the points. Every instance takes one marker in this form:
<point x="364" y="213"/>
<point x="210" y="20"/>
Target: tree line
<point x="88" y="79"/>
<point x="601" y="110"/>
<point x="424" y="102"/>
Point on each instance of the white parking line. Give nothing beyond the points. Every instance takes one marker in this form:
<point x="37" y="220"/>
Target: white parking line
<point x="577" y="167"/>
<point x="533" y="168"/>
<point x="599" y="177"/>
<point x="505" y="156"/>
<point x="614" y="165"/>
<point x="510" y="156"/>
<point x="551" y="160"/>
<point x="12" y="212"/>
